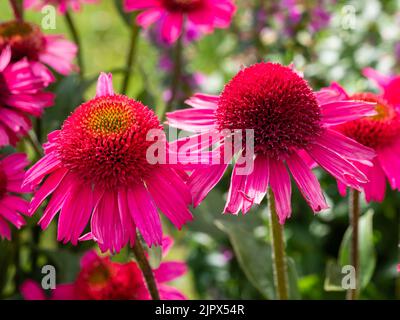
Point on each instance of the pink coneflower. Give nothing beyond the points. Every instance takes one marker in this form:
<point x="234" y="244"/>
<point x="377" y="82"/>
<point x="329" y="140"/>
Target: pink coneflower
<point x="21" y="94"/>
<point x="102" y="279"/>
<point x="12" y="206"/>
<point x="290" y="123"/>
<point x="205" y="15"/>
<point x="27" y="40"/>
<point x="390" y="85"/>
<point x="380" y="133"/>
<point x="62" y="5"/>
<point x="97" y="169"/>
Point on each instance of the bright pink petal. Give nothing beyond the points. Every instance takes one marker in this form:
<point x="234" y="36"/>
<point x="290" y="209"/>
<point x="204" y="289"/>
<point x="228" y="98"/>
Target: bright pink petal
<point x="236" y="190"/>
<point x="104" y="85"/>
<point x="131" y="5"/>
<point x="337" y="166"/>
<point x="256" y="183"/>
<point x="193" y="120"/>
<point x="144" y="214"/>
<point x="307" y="183"/>
<point x="170" y="270"/>
<point x="31" y="290"/>
<point x="335" y="113"/>
<point x="203" y="101"/>
<point x="171" y="195"/>
<point x="390" y="162"/>
<point x="172" y="27"/>
<point x="280" y="184"/>
<point x="203" y="180"/>
<point x="148" y="17"/>
<point x="345" y="147"/>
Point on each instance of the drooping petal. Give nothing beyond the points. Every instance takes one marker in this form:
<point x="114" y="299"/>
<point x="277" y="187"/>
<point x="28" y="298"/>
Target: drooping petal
<point x="279" y="181"/>
<point x="172" y="27"/>
<point x="144" y="214"/>
<point x="307" y="183"/>
<point x="192" y="120"/>
<point x="75" y="213"/>
<point x="257" y="182"/>
<point x="236" y="190"/>
<point x="339" y="167"/>
<point x="106" y="225"/>
<point x="46" y="189"/>
<point x="203" y="180"/>
<point x="346" y="147"/>
<point x="376" y="186"/>
<point x="171" y="195"/>
<point x="170" y="270"/>
<point x="338" y="112"/>
<point x="390" y="162"/>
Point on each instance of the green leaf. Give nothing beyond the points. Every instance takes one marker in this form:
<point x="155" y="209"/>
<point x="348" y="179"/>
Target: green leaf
<point x="294" y="293"/>
<point x="334" y="276"/>
<point x="254" y="257"/>
<point x="66" y="264"/>
<point x="366" y="248"/>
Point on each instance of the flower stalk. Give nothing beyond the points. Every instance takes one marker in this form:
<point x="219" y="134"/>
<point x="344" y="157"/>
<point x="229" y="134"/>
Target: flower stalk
<point x="130" y="57"/>
<point x="354" y="215"/>
<point x="145" y="267"/>
<point x="76" y="37"/>
<point x="17" y="8"/>
<point x="278" y="251"/>
<point x="177" y="73"/>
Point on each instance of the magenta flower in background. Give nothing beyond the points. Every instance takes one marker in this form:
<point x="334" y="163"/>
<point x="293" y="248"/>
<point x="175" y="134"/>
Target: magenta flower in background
<point x="28" y="41"/>
<point x="97" y="170"/>
<point x="102" y="279"/>
<point x="172" y="15"/>
<point x="11" y="205"/>
<point x="291" y="124"/>
<point x="389" y="85"/>
<point x="21" y="94"/>
<point x="381" y="133"/>
<point x="62" y="5"/>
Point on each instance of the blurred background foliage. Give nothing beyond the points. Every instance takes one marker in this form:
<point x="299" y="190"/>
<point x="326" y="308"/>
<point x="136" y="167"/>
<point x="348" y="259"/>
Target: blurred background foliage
<point x="229" y="256"/>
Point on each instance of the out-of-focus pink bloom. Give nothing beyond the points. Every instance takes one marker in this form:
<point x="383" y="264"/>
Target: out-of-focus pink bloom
<point x="381" y="133"/>
<point x="62" y="5"/>
<point x="102" y="279"/>
<point x="390" y="85"/>
<point x="291" y="124"/>
<point x="98" y="170"/>
<point x="320" y="18"/>
<point x="12" y="206"/>
<point x="172" y="15"/>
<point x="27" y="41"/>
<point x="21" y="94"/>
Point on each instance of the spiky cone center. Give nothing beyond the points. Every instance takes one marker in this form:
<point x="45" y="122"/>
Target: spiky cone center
<point x="25" y="39"/>
<point x="378" y="131"/>
<point x="104" y="141"/>
<point x="183" y="5"/>
<point x="276" y="103"/>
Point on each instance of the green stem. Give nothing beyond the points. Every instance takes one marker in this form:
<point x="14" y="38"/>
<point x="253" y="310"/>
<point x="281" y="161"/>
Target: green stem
<point x="77" y="40"/>
<point x="278" y="251"/>
<point x="177" y="73"/>
<point x="33" y="140"/>
<point x="18" y="9"/>
<point x="354" y="215"/>
<point x="144" y="265"/>
<point x="130" y="58"/>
